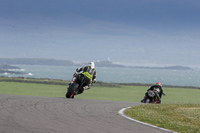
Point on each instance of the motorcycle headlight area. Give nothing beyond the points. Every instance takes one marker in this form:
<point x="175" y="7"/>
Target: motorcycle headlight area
<point x="151" y="93"/>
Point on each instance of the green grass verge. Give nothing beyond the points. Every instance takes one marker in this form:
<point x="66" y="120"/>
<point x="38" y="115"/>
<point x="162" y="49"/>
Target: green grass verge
<point x="118" y="93"/>
<point x="32" y="89"/>
<point x="184" y="118"/>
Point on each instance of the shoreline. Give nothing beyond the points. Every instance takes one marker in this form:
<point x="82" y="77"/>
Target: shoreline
<point x="65" y="82"/>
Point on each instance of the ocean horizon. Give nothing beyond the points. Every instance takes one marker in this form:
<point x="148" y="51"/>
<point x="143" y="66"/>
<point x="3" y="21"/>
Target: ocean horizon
<point x="116" y="75"/>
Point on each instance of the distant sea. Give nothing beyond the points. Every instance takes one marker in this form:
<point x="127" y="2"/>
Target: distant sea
<point x="117" y="75"/>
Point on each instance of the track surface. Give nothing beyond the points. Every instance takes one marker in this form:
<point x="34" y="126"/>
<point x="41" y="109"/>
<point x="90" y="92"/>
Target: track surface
<point x="29" y="114"/>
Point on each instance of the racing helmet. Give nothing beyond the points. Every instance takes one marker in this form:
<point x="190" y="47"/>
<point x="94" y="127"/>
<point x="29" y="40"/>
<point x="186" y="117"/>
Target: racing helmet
<point x="158" y="83"/>
<point x="92" y="64"/>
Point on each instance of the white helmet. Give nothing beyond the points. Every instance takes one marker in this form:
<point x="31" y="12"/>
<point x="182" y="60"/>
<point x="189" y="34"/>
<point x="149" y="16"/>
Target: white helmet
<point x="92" y="64"/>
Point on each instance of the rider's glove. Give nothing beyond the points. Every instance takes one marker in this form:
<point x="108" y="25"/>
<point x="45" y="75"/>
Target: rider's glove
<point x="94" y="81"/>
<point x="77" y="69"/>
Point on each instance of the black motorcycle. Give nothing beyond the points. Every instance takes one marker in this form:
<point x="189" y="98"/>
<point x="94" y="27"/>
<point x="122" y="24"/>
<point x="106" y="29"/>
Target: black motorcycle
<point x="76" y="87"/>
<point x="152" y="96"/>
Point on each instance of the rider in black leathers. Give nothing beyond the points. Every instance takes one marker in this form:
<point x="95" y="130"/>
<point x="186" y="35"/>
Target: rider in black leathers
<point x="154" y="92"/>
<point x="90" y="74"/>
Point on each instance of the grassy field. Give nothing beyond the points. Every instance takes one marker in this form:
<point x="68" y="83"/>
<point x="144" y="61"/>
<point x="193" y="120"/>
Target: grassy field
<point x="123" y="93"/>
<point x="184" y="118"/>
<point x="179" y="111"/>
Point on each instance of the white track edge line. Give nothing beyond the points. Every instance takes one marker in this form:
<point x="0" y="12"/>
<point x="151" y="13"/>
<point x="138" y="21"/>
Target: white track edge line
<point x="121" y="112"/>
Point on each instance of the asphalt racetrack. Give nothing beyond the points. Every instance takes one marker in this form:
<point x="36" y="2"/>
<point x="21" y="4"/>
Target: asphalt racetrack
<point x="31" y="114"/>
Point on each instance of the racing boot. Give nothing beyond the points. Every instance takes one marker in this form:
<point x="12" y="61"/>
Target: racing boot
<point x="86" y="87"/>
<point x="144" y="99"/>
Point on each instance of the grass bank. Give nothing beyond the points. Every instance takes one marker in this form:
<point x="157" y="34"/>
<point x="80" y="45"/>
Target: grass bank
<point x="184" y="118"/>
<point x="99" y="91"/>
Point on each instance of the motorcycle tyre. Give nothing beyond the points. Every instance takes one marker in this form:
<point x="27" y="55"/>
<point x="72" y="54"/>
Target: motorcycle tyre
<point x="72" y="88"/>
<point x="148" y="101"/>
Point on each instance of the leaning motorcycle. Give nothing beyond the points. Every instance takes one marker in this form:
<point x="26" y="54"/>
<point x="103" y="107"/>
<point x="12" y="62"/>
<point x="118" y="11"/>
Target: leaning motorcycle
<point x="76" y="87"/>
<point x="152" y="96"/>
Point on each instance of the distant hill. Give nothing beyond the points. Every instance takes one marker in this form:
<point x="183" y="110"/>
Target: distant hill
<point x="107" y="64"/>
<point x="102" y="64"/>
<point x="5" y="68"/>
<point x="54" y="62"/>
<point x="178" y="68"/>
<point x="167" y="67"/>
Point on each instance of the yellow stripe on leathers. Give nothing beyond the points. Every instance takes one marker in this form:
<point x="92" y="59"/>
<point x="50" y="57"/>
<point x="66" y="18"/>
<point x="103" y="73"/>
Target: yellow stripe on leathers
<point x="88" y="75"/>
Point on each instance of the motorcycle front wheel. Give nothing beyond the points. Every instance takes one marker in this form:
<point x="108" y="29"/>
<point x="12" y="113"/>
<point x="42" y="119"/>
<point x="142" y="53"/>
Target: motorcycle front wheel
<point x="147" y="101"/>
<point x="71" y="90"/>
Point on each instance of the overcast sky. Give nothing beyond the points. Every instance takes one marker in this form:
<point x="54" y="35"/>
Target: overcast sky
<point x="132" y="32"/>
